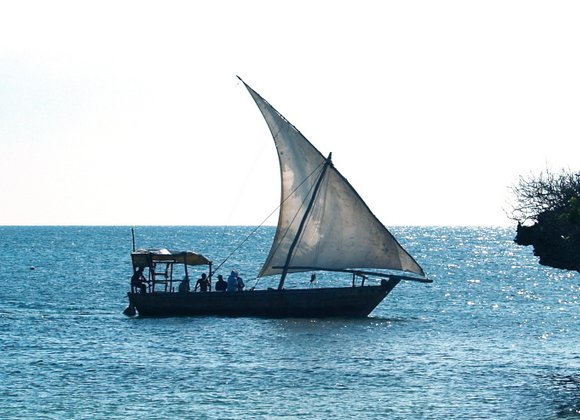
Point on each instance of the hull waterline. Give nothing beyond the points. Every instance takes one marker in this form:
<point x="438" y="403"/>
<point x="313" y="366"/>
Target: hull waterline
<point x="303" y="303"/>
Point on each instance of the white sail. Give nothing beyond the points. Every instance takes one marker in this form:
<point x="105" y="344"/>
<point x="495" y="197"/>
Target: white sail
<point x="340" y="232"/>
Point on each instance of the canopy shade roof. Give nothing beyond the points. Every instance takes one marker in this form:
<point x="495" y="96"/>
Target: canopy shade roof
<point x="148" y="257"/>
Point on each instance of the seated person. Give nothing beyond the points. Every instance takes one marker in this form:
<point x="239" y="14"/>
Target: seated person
<point x="221" y="285"/>
<point x="232" y="282"/>
<point x="184" y="285"/>
<point x="241" y="284"/>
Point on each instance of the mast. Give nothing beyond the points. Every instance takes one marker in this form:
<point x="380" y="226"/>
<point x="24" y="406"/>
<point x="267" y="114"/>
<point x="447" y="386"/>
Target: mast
<point x="299" y="244"/>
<point x="327" y="163"/>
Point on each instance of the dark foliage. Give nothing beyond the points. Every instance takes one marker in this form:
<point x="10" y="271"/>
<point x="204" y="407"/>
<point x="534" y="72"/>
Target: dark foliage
<point x="547" y="210"/>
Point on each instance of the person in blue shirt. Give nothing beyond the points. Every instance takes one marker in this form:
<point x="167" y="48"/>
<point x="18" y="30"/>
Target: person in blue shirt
<point x="232" y="282"/>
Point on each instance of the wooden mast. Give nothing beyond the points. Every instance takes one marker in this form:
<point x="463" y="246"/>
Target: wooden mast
<point x="327" y="163"/>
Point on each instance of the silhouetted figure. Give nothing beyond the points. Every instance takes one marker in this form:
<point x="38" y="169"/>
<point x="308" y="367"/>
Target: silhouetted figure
<point x="232" y="282"/>
<point x="184" y="285"/>
<point x="221" y="285"/>
<point x="203" y="283"/>
<point x="138" y="281"/>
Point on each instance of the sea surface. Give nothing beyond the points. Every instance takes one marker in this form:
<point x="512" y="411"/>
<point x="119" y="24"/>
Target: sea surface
<point x="495" y="336"/>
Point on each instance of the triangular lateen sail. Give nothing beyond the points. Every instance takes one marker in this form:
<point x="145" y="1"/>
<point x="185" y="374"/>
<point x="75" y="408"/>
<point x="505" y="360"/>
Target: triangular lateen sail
<point x="340" y="231"/>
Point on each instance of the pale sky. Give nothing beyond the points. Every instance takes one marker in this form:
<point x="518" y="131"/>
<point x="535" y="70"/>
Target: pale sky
<point x="129" y="112"/>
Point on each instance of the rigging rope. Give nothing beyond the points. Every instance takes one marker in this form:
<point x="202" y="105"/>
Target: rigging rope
<point x="257" y="279"/>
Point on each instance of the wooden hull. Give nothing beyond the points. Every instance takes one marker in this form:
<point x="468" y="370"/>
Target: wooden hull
<point x="309" y="303"/>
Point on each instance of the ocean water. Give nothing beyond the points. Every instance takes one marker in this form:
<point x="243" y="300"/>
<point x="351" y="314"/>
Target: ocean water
<point x="495" y="336"/>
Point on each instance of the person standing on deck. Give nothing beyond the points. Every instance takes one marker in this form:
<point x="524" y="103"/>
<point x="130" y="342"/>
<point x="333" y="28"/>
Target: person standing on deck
<point x="203" y="283"/>
<point x="138" y="281"/>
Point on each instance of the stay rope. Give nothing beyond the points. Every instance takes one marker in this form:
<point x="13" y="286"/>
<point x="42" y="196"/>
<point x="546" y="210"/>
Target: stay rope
<point x="257" y="279"/>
